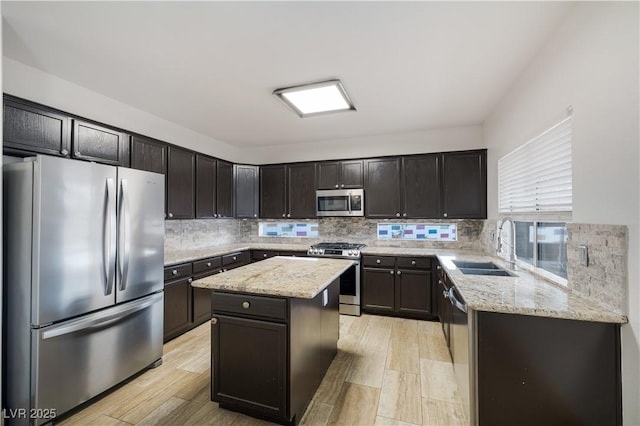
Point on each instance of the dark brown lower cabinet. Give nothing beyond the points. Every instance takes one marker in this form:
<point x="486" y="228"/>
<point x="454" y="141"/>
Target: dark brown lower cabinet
<point x="177" y="308"/>
<point x="536" y="370"/>
<point x="250" y="364"/>
<point x="413" y="292"/>
<point x="378" y="292"/>
<point x="269" y="354"/>
<point x="399" y="286"/>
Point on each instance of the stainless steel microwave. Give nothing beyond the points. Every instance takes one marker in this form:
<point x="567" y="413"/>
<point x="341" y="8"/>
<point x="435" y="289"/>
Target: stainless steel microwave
<point x="340" y="202"/>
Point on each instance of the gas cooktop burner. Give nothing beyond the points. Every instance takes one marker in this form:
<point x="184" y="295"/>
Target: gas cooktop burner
<point x="339" y="249"/>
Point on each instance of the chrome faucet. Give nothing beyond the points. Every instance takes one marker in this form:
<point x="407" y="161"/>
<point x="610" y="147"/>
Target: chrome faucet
<point x="511" y="244"/>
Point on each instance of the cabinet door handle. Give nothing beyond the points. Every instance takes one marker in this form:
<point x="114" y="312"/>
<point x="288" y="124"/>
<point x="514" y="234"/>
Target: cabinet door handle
<point x="170" y="214"/>
<point x="174" y="272"/>
<point x="342" y="185"/>
<point x="214" y="321"/>
<point x="337" y="186"/>
<point x="264" y="255"/>
<point x="445" y="215"/>
<point x="64" y="152"/>
<point x="391" y="272"/>
<point x="399" y="272"/>
<point x="283" y="215"/>
<point x="438" y="267"/>
<point x="397" y="214"/>
<point x="413" y="262"/>
<point x="208" y="264"/>
<point x="255" y="215"/>
<point x="288" y="214"/>
<point x="235" y="258"/>
<point x="378" y="261"/>
<point x="404" y="214"/>
<point x="445" y="294"/>
<point x="77" y="153"/>
<point x="190" y="280"/>
<point x="246" y="305"/>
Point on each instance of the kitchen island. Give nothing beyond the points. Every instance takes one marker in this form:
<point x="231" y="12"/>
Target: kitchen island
<point x="274" y="333"/>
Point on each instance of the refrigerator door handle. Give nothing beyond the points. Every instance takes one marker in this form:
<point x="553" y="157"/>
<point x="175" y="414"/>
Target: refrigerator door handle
<point x="125" y="229"/>
<point x="99" y="321"/>
<point x="110" y="238"/>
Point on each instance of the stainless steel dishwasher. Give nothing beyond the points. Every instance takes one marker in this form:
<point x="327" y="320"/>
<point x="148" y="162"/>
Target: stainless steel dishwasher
<point x="460" y="350"/>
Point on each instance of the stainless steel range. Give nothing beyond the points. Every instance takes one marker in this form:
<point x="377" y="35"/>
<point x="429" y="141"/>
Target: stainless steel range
<point x="350" y="280"/>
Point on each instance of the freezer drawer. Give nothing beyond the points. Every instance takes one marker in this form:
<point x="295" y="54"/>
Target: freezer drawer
<point x="79" y="359"/>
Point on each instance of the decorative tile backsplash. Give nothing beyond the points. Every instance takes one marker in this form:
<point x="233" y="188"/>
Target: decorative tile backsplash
<point x="604" y="279"/>
<point x="288" y="229"/>
<point x="418" y="231"/>
<point x="207" y="232"/>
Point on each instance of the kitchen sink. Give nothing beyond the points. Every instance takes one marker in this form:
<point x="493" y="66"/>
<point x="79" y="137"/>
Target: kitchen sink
<point x="475" y="265"/>
<point x="492" y="272"/>
<point x="481" y="268"/>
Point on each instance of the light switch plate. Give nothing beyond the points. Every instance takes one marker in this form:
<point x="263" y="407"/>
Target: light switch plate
<point x="584" y="255"/>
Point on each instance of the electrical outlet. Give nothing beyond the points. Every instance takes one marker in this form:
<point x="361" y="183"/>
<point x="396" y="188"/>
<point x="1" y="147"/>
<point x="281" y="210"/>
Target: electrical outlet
<point x="584" y="255"/>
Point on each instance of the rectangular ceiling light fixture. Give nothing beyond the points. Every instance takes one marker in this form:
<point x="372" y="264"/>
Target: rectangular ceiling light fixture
<point x="316" y="98"/>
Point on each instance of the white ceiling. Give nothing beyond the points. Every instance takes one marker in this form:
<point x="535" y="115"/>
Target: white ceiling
<point x="212" y="66"/>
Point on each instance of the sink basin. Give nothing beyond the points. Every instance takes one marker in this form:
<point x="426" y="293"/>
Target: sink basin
<point x="475" y="265"/>
<point x="492" y="272"/>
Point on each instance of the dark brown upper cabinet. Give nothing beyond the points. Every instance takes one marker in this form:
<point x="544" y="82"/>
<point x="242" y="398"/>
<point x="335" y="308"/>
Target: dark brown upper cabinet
<point x="224" y="189"/>
<point x="464" y="185"/>
<point x="181" y="178"/>
<point x="98" y="143"/>
<point x="214" y="188"/>
<point x="247" y="190"/>
<point x="206" y="178"/>
<point x="340" y="174"/>
<point x="421" y="186"/>
<point x="450" y="185"/>
<point x="287" y="191"/>
<point x="273" y="191"/>
<point x="301" y="194"/>
<point x="149" y="155"/>
<point x="31" y="128"/>
<point x="382" y="187"/>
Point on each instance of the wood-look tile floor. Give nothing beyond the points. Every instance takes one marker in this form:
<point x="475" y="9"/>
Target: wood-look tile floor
<point x="388" y="371"/>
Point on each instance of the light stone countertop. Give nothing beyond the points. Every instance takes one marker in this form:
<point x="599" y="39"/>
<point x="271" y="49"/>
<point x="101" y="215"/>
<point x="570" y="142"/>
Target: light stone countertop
<point x="525" y="293"/>
<point x="173" y="257"/>
<point x="298" y="277"/>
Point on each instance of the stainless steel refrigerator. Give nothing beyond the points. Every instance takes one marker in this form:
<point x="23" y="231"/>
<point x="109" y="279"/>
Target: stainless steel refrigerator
<point x="83" y="262"/>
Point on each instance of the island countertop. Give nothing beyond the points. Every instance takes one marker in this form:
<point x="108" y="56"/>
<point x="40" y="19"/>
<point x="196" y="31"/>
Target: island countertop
<point x="298" y="277"/>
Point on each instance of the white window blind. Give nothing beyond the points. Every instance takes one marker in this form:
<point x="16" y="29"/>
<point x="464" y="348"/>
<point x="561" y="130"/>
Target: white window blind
<point x="536" y="177"/>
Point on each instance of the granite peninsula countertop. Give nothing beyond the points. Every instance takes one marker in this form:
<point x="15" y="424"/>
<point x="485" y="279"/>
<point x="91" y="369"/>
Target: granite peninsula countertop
<point x="299" y="277"/>
<point x="525" y="294"/>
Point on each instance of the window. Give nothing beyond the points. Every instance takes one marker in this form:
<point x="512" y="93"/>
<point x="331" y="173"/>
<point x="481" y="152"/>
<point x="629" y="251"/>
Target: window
<point x="535" y="190"/>
<point x="542" y="245"/>
<point x="536" y="177"/>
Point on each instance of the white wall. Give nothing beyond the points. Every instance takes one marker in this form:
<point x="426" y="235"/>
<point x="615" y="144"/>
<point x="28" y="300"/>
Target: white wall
<point x="591" y="63"/>
<point x="435" y="140"/>
<point x="30" y="83"/>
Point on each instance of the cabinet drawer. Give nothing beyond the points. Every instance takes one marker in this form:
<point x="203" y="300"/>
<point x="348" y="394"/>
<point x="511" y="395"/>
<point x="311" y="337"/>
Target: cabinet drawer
<point x="259" y="306"/>
<point x="234" y="260"/>
<point x="262" y="254"/>
<point x="414" y="262"/>
<point x="207" y="265"/>
<point x="177" y="271"/>
<point x="380" y="261"/>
